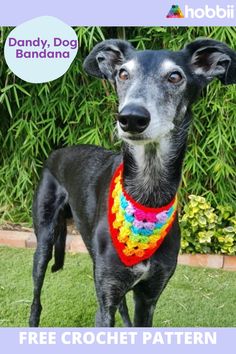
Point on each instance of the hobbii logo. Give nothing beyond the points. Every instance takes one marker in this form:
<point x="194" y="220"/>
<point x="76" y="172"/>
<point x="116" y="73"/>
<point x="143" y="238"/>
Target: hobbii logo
<point x="201" y="12"/>
<point x="210" y="12"/>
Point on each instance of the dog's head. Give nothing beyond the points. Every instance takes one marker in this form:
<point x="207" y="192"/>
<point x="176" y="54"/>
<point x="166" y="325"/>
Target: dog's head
<point x="156" y="87"/>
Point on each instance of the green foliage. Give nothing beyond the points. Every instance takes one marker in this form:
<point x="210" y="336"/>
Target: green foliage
<point x="208" y="230"/>
<point x="35" y="119"/>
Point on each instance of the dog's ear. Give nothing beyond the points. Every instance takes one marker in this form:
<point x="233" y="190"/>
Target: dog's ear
<point x="106" y="57"/>
<point x="210" y="59"/>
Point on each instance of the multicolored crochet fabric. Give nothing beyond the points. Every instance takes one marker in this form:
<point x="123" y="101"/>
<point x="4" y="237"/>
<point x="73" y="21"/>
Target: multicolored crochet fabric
<point x="137" y="231"/>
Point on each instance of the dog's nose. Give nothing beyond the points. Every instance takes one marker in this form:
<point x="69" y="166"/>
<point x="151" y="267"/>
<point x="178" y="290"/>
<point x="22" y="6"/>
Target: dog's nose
<point x="134" y="119"/>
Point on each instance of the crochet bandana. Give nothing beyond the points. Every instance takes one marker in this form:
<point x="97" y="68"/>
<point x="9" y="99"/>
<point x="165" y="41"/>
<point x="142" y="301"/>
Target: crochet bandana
<point x="136" y="231"/>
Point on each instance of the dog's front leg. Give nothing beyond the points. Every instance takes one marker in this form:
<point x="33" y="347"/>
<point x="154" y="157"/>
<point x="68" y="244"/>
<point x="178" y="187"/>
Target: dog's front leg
<point x="111" y="287"/>
<point x="109" y="297"/>
<point x="144" y="309"/>
<point x="147" y="293"/>
<point x="105" y="316"/>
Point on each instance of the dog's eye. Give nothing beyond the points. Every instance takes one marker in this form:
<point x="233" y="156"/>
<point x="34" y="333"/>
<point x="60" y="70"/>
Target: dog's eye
<point x="175" y="77"/>
<point x="123" y="75"/>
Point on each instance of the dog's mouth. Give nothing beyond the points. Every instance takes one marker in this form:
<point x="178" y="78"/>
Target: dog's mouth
<point x="136" y="139"/>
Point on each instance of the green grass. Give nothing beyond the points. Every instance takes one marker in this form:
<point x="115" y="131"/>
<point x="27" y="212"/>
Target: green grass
<point x="194" y="297"/>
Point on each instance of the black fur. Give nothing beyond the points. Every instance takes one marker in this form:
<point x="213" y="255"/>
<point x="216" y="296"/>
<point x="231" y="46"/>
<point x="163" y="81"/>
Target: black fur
<point x="75" y="180"/>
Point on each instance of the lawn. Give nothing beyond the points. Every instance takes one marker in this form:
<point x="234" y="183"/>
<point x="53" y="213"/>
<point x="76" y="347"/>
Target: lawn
<point x="194" y="297"/>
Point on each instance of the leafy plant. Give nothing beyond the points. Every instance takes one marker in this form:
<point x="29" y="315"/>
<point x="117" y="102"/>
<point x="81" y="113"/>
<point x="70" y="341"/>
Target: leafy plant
<point x="35" y="119"/>
<point x="208" y="230"/>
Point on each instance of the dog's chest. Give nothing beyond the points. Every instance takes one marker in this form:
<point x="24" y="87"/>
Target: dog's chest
<point x="140" y="272"/>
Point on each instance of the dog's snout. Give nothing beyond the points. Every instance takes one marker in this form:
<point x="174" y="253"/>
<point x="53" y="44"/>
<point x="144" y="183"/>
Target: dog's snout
<point x="134" y="119"/>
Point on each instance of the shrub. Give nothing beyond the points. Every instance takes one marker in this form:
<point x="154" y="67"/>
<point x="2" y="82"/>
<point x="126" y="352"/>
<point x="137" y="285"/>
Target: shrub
<point x="35" y="119"/>
<point x="208" y="230"/>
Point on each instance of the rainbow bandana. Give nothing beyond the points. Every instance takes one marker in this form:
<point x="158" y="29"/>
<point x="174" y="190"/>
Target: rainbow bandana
<point x="137" y="231"/>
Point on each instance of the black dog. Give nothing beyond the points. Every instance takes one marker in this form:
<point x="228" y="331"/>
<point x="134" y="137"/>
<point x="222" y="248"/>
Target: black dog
<point x="155" y="91"/>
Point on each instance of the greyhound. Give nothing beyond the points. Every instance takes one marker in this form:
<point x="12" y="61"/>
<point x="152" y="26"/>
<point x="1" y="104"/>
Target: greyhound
<point x="156" y="89"/>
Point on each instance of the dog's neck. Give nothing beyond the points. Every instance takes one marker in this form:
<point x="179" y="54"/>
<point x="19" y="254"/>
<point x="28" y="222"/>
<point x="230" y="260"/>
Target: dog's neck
<point x="152" y="172"/>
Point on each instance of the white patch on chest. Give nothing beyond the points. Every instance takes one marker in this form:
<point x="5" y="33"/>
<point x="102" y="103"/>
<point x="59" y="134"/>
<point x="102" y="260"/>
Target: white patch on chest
<point x="141" y="270"/>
